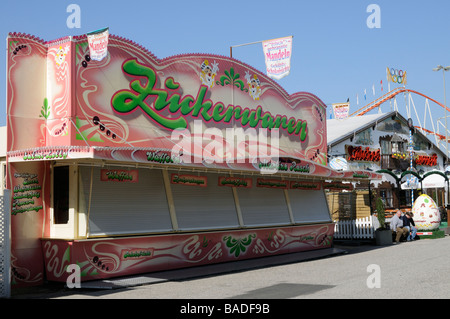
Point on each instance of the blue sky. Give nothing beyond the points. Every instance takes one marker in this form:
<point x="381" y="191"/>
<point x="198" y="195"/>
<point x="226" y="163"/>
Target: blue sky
<point x="335" y="54"/>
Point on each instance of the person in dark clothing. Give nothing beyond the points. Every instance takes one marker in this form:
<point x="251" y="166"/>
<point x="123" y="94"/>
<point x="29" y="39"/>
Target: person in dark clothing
<point x="443" y="213"/>
<point x="396" y="226"/>
<point x="408" y="223"/>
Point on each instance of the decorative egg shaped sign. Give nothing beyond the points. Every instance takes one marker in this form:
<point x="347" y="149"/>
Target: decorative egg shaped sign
<point x="426" y="213"/>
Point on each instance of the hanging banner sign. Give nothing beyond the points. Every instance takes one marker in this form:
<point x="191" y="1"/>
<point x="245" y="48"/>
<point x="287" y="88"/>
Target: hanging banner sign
<point x="98" y="44"/>
<point x="272" y="183"/>
<point x="314" y="186"/>
<point x="191" y="180"/>
<point x="337" y="186"/>
<point x="235" y="182"/>
<point x="341" y="110"/>
<point x="118" y="175"/>
<point x="277" y="53"/>
<point x="396" y="76"/>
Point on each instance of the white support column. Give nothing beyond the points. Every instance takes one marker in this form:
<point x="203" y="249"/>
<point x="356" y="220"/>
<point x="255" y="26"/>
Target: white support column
<point x="170" y="202"/>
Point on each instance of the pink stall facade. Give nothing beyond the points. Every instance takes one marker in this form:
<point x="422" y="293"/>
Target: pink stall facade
<point x="135" y="164"/>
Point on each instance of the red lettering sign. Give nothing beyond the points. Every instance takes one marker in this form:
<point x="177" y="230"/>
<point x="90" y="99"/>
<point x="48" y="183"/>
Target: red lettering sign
<point x="359" y="154"/>
<point x="426" y="160"/>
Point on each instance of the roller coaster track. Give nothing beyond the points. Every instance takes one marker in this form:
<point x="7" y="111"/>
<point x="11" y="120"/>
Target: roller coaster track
<point x="390" y="95"/>
<point x="440" y="136"/>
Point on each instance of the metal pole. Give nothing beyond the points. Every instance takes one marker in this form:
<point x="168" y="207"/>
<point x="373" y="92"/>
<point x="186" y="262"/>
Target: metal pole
<point x="439" y="67"/>
<point x="411" y="164"/>
<point x="446" y="150"/>
<point x="241" y="45"/>
<point x="447" y="230"/>
<point x="446" y="128"/>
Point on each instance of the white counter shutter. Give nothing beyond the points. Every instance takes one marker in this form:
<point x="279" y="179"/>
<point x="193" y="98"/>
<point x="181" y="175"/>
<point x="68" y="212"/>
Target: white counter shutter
<point x="210" y="207"/>
<point x="263" y="206"/>
<point x="309" y="206"/>
<point x="124" y="207"/>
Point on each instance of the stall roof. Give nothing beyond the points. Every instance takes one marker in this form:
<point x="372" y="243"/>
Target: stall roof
<point x="291" y="167"/>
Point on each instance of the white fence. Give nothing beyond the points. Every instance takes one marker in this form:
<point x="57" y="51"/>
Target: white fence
<point x="5" y="245"/>
<point x="363" y="228"/>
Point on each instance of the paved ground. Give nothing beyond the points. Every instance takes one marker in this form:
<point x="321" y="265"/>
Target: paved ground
<point x="419" y="269"/>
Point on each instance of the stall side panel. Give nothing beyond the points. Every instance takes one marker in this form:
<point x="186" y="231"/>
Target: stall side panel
<point x="58" y="113"/>
<point x="26" y="92"/>
<point x="107" y="258"/>
<point x="28" y="222"/>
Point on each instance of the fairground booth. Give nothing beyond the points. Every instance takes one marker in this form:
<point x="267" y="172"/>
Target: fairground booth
<point x="133" y="164"/>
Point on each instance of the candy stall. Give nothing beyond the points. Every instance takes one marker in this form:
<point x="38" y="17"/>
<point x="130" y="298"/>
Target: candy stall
<point x="131" y="163"/>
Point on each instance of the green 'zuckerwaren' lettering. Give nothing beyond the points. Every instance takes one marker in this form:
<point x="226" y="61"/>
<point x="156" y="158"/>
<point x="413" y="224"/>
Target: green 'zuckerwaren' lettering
<point x="127" y="101"/>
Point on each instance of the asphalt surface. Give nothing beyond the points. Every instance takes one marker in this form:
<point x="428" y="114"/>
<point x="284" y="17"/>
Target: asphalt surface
<point x="418" y="270"/>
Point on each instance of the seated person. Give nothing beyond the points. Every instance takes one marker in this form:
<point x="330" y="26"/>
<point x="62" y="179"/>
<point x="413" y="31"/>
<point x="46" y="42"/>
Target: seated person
<point x="397" y="226"/>
<point x="408" y="223"/>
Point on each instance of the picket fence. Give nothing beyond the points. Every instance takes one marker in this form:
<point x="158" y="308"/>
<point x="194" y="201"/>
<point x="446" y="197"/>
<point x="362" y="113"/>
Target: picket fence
<point x="363" y="228"/>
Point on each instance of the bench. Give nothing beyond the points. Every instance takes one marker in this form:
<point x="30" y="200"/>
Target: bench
<point x="394" y="236"/>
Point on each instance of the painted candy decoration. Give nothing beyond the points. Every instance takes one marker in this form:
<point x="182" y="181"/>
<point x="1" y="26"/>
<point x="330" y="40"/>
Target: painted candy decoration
<point x="426" y="213"/>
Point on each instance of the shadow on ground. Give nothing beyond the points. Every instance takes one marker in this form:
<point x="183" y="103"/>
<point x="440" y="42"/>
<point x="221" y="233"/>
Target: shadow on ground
<point x="105" y="287"/>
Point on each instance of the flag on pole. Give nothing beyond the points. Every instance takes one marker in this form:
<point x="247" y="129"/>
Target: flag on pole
<point x="98" y="44"/>
<point x="365" y="95"/>
<point x="381" y="82"/>
<point x="373" y="89"/>
<point x="277" y="53"/>
<point x="357" y="100"/>
<point x="396" y="76"/>
<point x="341" y="110"/>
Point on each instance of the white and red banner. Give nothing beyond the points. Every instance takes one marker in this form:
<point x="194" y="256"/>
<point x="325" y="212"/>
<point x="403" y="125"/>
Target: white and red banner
<point x="277" y="53"/>
<point x="98" y="44"/>
<point x="341" y="110"/>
